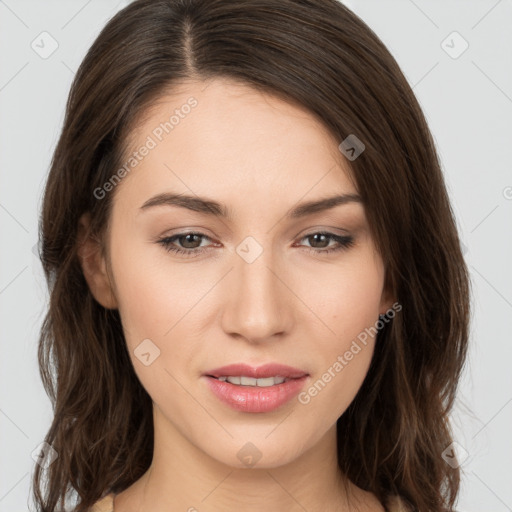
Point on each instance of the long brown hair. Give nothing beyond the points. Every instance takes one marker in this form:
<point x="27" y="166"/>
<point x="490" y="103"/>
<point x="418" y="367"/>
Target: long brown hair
<point x="318" y="54"/>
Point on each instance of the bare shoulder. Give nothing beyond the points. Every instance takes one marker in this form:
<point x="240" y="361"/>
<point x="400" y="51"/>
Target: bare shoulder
<point x="397" y="504"/>
<point x="367" y="501"/>
<point x="106" y="504"/>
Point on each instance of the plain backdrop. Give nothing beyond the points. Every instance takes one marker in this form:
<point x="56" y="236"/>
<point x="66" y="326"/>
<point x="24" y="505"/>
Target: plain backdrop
<point x="457" y="56"/>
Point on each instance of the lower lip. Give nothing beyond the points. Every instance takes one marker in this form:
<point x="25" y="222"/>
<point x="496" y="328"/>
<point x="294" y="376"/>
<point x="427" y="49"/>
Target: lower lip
<point x="254" y="398"/>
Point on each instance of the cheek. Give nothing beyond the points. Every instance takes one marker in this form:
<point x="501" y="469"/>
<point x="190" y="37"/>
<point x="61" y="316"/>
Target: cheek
<point x="347" y="297"/>
<point x="152" y="294"/>
<point x="160" y="302"/>
<point x="348" y="304"/>
<point x="343" y="362"/>
<point x="153" y="303"/>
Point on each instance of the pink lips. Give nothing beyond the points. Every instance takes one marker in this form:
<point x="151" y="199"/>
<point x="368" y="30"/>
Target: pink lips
<point x="254" y="398"/>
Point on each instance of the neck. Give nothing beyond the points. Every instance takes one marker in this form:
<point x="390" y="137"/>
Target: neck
<point x="182" y="477"/>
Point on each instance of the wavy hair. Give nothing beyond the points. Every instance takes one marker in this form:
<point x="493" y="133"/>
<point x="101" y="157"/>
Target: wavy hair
<point x="318" y="54"/>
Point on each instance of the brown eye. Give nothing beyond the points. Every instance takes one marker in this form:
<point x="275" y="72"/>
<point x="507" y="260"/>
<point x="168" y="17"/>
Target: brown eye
<point x="319" y="242"/>
<point x="187" y="243"/>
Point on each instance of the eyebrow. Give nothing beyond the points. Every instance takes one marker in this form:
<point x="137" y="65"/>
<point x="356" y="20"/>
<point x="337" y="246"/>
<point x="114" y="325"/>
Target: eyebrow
<point x="210" y="207"/>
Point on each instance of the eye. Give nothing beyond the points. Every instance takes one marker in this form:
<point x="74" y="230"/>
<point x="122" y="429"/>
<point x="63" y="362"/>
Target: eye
<point x="321" y="237"/>
<point x="190" y="243"/>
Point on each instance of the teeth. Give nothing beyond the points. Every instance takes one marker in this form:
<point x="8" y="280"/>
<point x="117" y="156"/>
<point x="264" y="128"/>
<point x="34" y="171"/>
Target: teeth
<point x="250" y="381"/>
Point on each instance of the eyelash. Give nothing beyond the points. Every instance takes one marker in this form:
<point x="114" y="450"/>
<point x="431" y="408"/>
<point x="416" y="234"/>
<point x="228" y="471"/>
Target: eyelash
<point x="344" y="241"/>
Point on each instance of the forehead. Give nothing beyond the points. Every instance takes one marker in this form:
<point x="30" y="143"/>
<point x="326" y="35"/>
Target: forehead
<point x="220" y="137"/>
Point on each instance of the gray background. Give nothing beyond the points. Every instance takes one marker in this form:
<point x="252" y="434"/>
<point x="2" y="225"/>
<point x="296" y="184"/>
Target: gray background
<point x="467" y="98"/>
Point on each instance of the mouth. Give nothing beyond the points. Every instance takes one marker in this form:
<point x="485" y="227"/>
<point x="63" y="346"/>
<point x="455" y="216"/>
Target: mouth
<point x="261" y="389"/>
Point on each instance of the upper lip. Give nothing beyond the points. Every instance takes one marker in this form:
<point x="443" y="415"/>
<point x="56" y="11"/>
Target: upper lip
<point x="260" y="372"/>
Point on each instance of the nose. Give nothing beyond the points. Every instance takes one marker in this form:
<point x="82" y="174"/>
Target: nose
<point x="259" y="304"/>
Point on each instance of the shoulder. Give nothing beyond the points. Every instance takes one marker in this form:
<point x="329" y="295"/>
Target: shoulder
<point x="397" y="504"/>
<point x="106" y="504"/>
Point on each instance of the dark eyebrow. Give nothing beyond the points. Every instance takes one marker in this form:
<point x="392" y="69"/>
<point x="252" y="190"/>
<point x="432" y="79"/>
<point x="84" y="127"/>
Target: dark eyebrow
<point x="210" y="207"/>
<point x="319" y="205"/>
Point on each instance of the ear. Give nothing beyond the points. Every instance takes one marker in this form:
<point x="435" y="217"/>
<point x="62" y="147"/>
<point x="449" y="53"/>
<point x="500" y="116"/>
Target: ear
<point x="387" y="299"/>
<point x="94" y="266"/>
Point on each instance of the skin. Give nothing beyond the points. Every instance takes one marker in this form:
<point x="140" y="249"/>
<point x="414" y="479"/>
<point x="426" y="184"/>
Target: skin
<point x="260" y="156"/>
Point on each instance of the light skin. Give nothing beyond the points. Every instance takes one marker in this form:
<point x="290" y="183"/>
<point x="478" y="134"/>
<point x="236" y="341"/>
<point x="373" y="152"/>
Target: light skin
<point x="260" y="157"/>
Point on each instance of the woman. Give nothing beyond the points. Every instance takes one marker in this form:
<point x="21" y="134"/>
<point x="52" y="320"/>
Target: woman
<point x="258" y="296"/>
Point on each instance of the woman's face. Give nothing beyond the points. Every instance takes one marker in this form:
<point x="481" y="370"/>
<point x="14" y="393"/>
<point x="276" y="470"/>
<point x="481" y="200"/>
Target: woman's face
<point x="254" y="286"/>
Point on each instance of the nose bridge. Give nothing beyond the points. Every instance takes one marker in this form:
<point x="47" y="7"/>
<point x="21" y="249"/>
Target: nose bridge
<point x="258" y="305"/>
